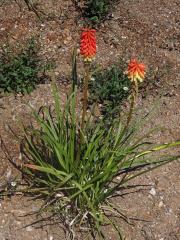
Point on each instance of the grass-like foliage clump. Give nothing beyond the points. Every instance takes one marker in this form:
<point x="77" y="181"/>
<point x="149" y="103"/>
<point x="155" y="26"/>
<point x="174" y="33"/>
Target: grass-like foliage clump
<point x="75" y="170"/>
<point x="20" y="73"/>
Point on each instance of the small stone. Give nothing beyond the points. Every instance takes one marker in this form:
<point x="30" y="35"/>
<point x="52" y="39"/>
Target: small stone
<point x="8" y="174"/>
<point x="170" y="211"/>
<point x="29" y="229"/>
<point x="152" y="191"/>
<point x="18" y="223"/>
<point x="13" y="184"/>
<point x="58" y="195"/>
<point x="161" y="204"/>
<point x="13" y="117"/>
<point x="20" y="156"/>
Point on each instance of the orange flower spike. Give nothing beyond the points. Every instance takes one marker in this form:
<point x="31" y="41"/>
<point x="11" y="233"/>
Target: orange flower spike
<point x="88" y="44"/>
<point x="136" y="70"/>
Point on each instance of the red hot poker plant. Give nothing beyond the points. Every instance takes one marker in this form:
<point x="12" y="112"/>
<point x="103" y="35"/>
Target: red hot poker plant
<point x="86" y="187"/>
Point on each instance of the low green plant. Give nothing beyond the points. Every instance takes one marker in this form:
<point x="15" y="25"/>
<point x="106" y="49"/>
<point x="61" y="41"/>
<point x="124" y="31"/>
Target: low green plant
<point x="20" y="73"/>
<point x="95" y="10"/>
<point x="109" y="88"/>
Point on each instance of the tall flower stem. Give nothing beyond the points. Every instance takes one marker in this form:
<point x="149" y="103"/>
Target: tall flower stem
<point x="134" y="96"/>
<point x="88" y="51"/>
<point x="136" y="72"/>
<point x="85" y="93"/>
<point x="87" y="78"/>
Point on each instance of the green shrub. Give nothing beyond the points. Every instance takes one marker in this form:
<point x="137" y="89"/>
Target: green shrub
<point x="20" y="73"/>
<point x="96" y="9"/>
<point x="109" y="88"/>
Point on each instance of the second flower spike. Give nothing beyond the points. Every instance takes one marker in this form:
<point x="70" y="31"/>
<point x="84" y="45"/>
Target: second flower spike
<point x="136" y="70"/>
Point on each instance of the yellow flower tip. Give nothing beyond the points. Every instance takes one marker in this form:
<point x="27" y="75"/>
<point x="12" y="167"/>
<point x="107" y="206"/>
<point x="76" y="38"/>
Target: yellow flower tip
<point x="88" y="59"/>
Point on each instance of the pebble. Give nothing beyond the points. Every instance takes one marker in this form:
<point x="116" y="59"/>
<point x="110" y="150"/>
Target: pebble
<point x="161" y="204"/>
<point x="170" y="211"/>
<point x="13" y="184"/>
<point x="18" y="223"/>
<point x="29" y="229"/>
<point x="20" y="156"/>
<point x="152" y="191"/>
<point x="8" y="174"/>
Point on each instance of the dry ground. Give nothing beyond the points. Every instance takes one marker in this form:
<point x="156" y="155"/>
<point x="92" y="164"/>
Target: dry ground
<point x="149" y="30"/>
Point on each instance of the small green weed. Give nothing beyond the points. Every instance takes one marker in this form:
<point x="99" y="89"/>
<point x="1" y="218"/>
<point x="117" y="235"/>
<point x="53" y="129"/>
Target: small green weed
<point x="95" y="10"/>
<point x="109" y="88"/>
<point x="20" y="73"/>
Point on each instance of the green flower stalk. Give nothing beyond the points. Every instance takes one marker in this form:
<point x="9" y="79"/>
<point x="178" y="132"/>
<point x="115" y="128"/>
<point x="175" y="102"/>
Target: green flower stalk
<point x="136" y="72"/>
<point x="88" y="51"/>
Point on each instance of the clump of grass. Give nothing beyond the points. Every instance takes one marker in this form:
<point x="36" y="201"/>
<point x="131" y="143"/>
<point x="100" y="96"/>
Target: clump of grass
<point x="20" y="73"/>
<point x="80" y="188"/>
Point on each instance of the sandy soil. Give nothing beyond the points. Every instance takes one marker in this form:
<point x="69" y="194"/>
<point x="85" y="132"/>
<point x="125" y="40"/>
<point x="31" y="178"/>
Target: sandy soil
<point x="148" y="30"/>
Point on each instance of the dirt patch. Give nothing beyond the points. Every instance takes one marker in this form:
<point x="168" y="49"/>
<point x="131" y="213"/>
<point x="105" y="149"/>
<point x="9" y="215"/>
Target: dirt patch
<point x="137" y="29"/>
